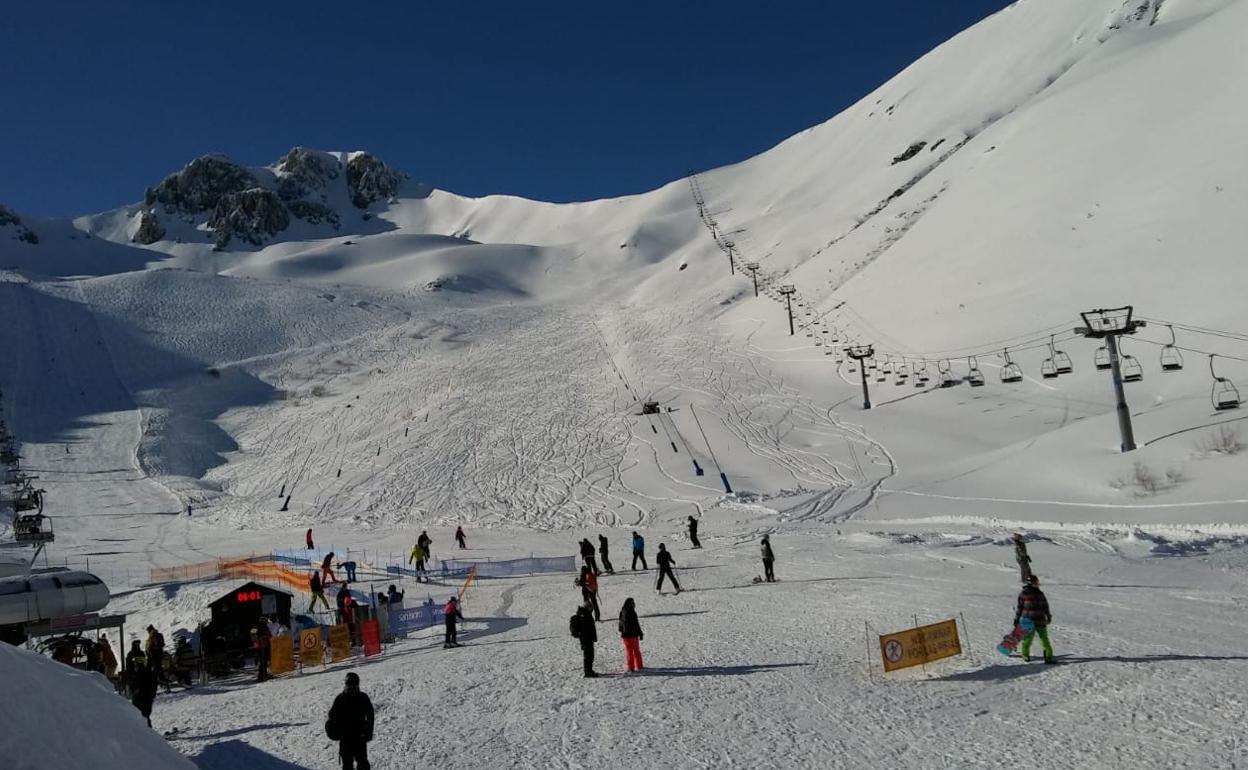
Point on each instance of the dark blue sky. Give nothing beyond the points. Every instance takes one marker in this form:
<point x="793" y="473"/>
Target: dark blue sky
<point x="548" y="99"/>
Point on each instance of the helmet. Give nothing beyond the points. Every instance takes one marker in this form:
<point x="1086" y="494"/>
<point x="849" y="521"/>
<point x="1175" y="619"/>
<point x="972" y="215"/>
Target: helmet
<point x="353" y="679"/>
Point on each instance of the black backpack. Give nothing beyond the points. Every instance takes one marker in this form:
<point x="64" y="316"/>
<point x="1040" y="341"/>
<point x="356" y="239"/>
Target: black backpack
<point x="331" y="730"/>
<point x="574" y="627"/>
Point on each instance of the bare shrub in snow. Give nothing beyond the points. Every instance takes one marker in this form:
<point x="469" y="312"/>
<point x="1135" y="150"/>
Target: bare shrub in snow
<point x="1224" y="441"/>
<point x="1145" y="481"/>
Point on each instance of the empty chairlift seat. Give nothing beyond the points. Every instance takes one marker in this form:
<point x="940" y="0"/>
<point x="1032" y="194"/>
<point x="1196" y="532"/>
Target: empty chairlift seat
<point x="1171" y="358"/>
<point x="1225" y="395"/>
<point x="1010" y="372"/>
<point x="975" y="378"/>
<point x="1102" y="358"/>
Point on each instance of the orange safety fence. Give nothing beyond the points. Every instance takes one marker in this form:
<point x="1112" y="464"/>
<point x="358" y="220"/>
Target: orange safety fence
<point x="238" y="567"/>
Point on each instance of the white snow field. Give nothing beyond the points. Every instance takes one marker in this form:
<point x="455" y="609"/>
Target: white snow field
<point x="440" y="360"/>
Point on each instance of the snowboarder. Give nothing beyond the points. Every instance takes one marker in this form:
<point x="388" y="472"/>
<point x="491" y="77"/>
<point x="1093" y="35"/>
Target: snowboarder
<point x="318" y="592"/>
<point x="351" y="724"/>
<point x="589" y="590"/>
<point x="261" y="635"/>
<point x="451" y="611"/>
<point x="630" y="632"/>
<point x="307" y="538"/>
<point x="602" y="552"/>
<point x="587" y="554"/>
<point x="143" y="691"/>
<point x="327" y="569"/>
<point x="665" y="562"/>
<point x="1020" y="555"/>
<point x="1033" y="605"/>
<point x="585" y="631"/>
<point x="693" y="532"/>
<point x="425" y="542"/>
<point x="769" y="559"/>
<point x="639" y="551"/>
<point x="350" y="567"/>
<point x="459" y="538"/>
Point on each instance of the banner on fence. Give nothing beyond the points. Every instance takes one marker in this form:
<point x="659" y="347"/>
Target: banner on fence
<point x="281" y="655"/>
<point x="311" y="649"/>
<point x="404" y="620"/>
<point x="339" y="642"/>
<point x="371" y="631"/>
<point x="916" y="646"/>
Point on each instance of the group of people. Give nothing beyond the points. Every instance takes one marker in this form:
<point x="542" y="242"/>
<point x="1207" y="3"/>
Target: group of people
<point x="149" y="665"/>
<point x="583" y="626"/>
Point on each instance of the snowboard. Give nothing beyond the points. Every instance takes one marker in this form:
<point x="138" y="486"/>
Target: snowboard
<point x="1010" y="643"/>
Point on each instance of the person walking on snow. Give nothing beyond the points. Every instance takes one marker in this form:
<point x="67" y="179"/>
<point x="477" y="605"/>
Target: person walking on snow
<point x="327" y="569"/>
<point x="586" y="632"/>
<point x="418" y="556"/>
<point x="351" y="724"/>
<point x="1020" y="555"/>
<point x="452" y="617"/>
<point x="143" y="691"/>
<point x="769" y="559"/>
<point x="639" y="551"/>
<point x="693" y="532"/>
<point x="630" y="632"/>
<point x="665" y="562"/>
<point x="459" y="538"/>
<point x="587" y="554"/>
<point x="307" y="538"/>
<point x="318" y="592"/>
<point x="1033" y="605"/>
<point x="589" y="591"/>
<point x="602" y="552"/>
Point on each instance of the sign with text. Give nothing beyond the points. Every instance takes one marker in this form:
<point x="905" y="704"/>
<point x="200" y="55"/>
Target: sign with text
<point x="917" y="646"/>
<point x="339" y="642"/>
<point x="371" y="631"/>
<point x="281" y="655"/>
<point x="311" y="652"/>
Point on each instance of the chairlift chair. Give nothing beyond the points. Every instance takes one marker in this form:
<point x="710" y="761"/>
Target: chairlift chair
<point x="1011" y="372"/>
<point x="1061" y="362"/>
<point x="1132" y="371"/>
<point x="1101" y="360"/>
<point x="1048" y="370"/>
<point x="945" y="370"/>
<point x="1171" y="358"/>
<point x="1225" y="395"/>
<point x="974" y="377"/>
<point x="921" y="376"/>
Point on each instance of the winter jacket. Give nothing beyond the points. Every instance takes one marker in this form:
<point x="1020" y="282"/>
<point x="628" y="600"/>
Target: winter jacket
<point x="630" y="627"/>
<point x="352" y="716"/>
<point x="451" y="611"/>
<point x="155" y="645"/>
<point x="328" y="561"/>
<point x="587" y="548"/>
<point x="665" y="559"/>
<point x="586" y="628"/>
<point x="767" y="553"/>
<point x="1032" y="604"/>
<point x="262" y="636"/>
<point x="693" y="526"/>
<point x="315" y="585"/>
<point x="590" y="583"/>
<point x="107" y="658"/>
<point x="602" y="545"/>
<point x="418" y="553"/>
<point x="135" y="659"/>
<point x="639" y="544"/>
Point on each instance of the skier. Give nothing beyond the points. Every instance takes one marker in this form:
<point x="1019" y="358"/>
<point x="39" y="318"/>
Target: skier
<point x="693" y="532"/>
<point x="589" y="590"/>
<point x="261" y="635"/>
<point x="1020" y="555"/>
<point x="630" y="632"/>
<point x="1033" y="605"/>
<point x="424" y="541"/>
<point x="584" y="630"/>
<point x="602" y="551"/>
<point x="769" y="559"/>
<point x="587" y="554"/>
<point x="639" y="551"/>
<point x="327" y="569"/>
<point x="307" y="538"/>
<point x="318" y="592"/>
<point x="665" y="562"/>
<point x="452" y="613"/>
<point x="143" y="691"/>
<point x="459" y="538"/>
<point x="418" y="556"/>
<point x="349" y="566"/>
<point x="351" y="724"/>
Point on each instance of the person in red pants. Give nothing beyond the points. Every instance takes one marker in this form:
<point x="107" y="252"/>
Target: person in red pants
<point x="630" y="632"/>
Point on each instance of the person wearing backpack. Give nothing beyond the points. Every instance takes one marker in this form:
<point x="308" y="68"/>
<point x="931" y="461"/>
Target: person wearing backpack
<point x="630" y="632"/>
<point x="350" y="723"/>
<point x="583" y="629"/>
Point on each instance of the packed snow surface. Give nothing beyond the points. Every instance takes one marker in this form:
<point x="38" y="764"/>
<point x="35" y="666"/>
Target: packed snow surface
<point x="440" y="360"/>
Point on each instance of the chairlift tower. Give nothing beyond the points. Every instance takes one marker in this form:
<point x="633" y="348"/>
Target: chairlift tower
<point x="1109" y="325"/>
<point x="753" y="268"/>
<point x="861" y="353"/>
<point x="788" y="290"/>
<point x="729" y="246"/>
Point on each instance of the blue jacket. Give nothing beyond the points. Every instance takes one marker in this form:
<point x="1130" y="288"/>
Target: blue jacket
<point x="639" y="544"/>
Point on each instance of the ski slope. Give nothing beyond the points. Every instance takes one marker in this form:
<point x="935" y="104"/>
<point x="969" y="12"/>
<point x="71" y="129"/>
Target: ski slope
<point x="441" y="360"/>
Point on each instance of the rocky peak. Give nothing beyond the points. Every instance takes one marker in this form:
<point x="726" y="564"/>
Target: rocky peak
<point x="19" y="231"/>
<point x="199" y="186"/>
<point x="251" y="215"/>
<point x="370" y="180"/>
<point x="302" y="172"/>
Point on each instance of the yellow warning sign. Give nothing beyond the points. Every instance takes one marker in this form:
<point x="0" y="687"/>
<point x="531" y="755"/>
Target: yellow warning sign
<point x="311" y="652"/>
<point x="917" y="646"/>
<point x="339" y="642"/>
<point x="282" y="655"/>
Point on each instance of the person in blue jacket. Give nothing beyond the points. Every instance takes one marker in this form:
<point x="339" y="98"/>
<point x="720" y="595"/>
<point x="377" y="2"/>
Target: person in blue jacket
<point x="639" y="551"/>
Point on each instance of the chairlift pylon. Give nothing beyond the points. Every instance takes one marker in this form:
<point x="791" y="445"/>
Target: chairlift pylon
<point x="1171" y="358"/>
<point x="1011" y="372"/>
<point x="1225" y="395"/>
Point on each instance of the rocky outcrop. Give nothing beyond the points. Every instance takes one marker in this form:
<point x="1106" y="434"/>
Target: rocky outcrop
<point x="200" y="185"/>
<point x="11" y="225"/>
<point x="303" y="172"/>
<point x="314" y="213"/>
<point x="150" y="229"/>
<point x="370" y="180"/>
<point x="250" y="215"/>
